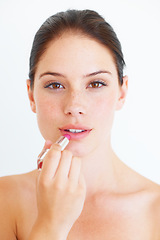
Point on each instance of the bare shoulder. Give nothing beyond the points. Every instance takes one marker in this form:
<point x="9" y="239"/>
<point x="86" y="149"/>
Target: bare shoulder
<point x="146" y="194"/>
<point x="148" y="189"/>
<point x="11" y="185"/>
<point x="153" y="190"/>
<point x="13" y="189"/>
<point x="152" y="198"/>
<point x="16" y="187"/>
<point x="150" y="202"/>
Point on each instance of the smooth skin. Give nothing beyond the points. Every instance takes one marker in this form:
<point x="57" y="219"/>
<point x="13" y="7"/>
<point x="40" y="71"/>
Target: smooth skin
<point x="84" y="192"/>
<point x="56" y="187"/>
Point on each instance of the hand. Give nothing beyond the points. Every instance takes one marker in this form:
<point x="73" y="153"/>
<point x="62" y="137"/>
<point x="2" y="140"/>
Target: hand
<point x="61" y="190"/>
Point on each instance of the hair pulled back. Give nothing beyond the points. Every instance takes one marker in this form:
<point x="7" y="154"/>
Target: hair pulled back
<point x="86" y="22"/>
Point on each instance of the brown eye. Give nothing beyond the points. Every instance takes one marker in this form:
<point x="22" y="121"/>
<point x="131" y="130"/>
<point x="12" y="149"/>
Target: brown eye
<point x="54" y="85"/>
<point x="97" y="84"/>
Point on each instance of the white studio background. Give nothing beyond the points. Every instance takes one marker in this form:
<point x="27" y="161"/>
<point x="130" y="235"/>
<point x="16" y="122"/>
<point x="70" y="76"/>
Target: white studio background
<point x="136" y="130"/>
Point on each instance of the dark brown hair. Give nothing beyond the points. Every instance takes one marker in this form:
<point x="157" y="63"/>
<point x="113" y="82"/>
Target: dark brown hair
<point x="86" y="22"/>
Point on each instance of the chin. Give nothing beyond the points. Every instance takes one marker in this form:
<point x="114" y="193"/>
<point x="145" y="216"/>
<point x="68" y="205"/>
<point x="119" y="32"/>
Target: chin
<point x="77" y="152"/>
<point x="79" y="149"/>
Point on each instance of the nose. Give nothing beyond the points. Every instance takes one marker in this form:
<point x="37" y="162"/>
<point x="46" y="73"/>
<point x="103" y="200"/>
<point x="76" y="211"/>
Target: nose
<point x="75" y="104"/>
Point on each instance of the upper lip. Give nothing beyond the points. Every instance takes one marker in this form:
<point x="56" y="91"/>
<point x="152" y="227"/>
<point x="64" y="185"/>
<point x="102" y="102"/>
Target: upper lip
<point x="78" y="127"/>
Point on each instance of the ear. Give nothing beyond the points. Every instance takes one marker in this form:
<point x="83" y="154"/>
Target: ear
<point x="122" y="93"/>
<point x="31" y="95"/>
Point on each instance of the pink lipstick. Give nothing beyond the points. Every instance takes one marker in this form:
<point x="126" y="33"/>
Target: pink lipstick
<point x="62" y="141"/>
<point x="76" y="132"/>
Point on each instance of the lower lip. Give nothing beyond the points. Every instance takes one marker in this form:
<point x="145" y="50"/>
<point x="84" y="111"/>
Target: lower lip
<point x="76" y="136"/>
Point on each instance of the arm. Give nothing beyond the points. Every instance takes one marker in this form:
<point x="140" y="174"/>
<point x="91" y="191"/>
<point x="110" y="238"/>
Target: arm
<point x="42" y="230"/>
<point x="60" y="195"/>
<point x="7" y="223"/>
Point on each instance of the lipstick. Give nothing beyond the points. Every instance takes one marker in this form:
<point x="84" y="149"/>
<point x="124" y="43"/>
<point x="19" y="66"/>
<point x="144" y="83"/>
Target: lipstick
<point x="76" y="132"/>
<point x="62" y="141"/>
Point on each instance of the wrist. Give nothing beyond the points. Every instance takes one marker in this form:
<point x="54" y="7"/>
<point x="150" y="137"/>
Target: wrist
<point x="43" y="230"/>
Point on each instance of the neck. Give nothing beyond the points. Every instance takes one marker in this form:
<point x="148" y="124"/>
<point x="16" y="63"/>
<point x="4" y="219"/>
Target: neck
<point x="99" y="170"/>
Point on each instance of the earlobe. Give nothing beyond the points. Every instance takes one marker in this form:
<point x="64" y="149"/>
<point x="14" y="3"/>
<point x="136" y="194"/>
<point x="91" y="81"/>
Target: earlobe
<point x="123" y="93"/>
<point x="30" y="95"/>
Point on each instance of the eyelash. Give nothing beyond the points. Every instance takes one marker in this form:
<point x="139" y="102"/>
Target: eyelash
<point x="98" y="82"/>
<point x="57" y="83"/>
<point x="52" y="84"/>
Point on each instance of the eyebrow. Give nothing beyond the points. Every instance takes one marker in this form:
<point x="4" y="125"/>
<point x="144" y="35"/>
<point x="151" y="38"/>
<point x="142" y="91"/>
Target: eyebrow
<point x="97" y="72"/>
<point x="87" y="75"/>
<point x="52" y="73"/>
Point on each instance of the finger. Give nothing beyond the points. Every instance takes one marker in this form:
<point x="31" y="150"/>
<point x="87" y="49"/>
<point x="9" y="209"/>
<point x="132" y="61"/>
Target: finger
<point x="82" y="182"/>
<point x="64" y="165"/>
<point x="51" y="162"/>
<point x="75" y="171"/>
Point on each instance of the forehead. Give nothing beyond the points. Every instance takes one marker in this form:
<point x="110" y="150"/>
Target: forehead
<point x="76" y="51"/>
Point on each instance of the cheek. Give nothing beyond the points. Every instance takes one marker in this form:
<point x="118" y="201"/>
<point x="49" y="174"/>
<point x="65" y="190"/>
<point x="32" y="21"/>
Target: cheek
<point x="105" y="107"/>
<point x="104" y="115"/>
<point x="45" y="107"/>
<point x="47" y="115"/>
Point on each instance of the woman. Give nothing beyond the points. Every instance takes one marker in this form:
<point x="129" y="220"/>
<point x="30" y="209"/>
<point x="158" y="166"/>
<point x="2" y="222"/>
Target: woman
<point x="75" y="85"/>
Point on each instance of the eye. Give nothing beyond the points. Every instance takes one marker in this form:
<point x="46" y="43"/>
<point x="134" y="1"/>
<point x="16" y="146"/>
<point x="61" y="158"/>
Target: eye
<point x="97" y="84"/>
<point x="54" y="85"/>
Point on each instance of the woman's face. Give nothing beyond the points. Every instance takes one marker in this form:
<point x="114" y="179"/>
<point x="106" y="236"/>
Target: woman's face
<point x="76" y="91"/>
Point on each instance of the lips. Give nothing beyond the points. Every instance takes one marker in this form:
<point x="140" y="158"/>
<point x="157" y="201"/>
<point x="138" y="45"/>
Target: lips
<point x="75" y="132"/>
